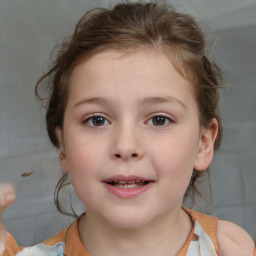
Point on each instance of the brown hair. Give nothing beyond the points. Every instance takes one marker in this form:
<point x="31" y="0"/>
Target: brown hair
<point x="128" y="26"/>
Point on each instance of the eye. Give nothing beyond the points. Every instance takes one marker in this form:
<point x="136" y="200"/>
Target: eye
<point x="96" y="120"/>
<point x="159" y="120"/>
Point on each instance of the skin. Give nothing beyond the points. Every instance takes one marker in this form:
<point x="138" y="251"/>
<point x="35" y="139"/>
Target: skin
<point x="7" y="197"/>
<point x="233" y="240"/>
<point x="128" y="143"/>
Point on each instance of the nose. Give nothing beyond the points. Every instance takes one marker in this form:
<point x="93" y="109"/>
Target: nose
<point x="126" y="144"/>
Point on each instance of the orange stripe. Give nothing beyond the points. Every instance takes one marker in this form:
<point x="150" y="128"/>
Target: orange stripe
<point x="208" y="223"/>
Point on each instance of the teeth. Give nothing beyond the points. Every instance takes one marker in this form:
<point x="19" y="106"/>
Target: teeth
<point x="128" y="184"/>
<point x="131" y="182"/>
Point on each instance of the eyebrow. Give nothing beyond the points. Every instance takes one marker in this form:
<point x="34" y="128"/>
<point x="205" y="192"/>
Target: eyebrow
<point x="145" y="101"/>
<point x="94" y="100"/>
<point x="158" y="100"/>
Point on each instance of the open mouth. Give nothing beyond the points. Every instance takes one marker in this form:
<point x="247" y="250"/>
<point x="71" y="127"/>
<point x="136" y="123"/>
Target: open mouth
<point x="128" y="184"/>
<point x="127" y="187"/>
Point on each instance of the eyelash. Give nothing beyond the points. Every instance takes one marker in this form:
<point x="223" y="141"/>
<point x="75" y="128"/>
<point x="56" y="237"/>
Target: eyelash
<point x="166" y="118"/>
<point x="90" y="118"/>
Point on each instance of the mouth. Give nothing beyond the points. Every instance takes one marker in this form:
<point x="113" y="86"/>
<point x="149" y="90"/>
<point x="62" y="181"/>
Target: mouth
<point x="128" y="184"/>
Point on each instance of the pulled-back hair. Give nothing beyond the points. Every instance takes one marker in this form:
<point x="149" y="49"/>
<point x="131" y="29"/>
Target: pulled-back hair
<point x="125" y="27"/>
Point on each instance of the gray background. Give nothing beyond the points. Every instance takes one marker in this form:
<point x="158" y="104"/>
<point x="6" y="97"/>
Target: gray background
<point x="30" y="29"/>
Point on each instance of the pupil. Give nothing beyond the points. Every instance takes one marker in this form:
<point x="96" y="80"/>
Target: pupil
<point x="159" y="120"/>
<point x="98" y="121"/>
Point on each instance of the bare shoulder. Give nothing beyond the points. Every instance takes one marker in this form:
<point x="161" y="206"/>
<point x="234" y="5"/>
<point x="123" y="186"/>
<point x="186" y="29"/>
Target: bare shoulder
<point x="233" y="240"/>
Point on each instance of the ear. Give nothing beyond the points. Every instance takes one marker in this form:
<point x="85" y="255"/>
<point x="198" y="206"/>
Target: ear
<point x="62" y="156"/>
<point x="206" y="146"/>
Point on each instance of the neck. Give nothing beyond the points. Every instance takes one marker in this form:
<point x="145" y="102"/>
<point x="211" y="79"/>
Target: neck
<point x="164" y="236"/>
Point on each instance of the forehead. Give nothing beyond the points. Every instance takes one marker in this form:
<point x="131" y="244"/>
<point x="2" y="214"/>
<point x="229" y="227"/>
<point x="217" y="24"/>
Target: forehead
<point x="145" y="69"/>
<point x="141" y="58"/>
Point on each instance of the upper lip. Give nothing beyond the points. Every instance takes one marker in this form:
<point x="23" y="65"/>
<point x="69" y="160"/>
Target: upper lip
<point x="117" y="178"/>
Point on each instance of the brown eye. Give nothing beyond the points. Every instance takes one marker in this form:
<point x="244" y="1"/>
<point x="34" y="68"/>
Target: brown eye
<point x="96" y="121"/>
<point x="159" y="121"/>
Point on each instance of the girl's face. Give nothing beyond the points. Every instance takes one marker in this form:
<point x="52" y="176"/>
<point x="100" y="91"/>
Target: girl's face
<point x="131" y="137"/>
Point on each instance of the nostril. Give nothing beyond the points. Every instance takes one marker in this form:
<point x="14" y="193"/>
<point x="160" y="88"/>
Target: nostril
<point x="134" y="155"/>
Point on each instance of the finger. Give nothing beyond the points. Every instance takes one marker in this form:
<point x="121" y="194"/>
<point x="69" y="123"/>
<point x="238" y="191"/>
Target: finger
<point x="2" y="248"/>
<point x="3" y="236"/>
<point x="7" y="196"/>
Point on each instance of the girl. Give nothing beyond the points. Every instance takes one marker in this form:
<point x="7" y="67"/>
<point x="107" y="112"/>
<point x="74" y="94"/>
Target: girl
<point x="133" y="111"/>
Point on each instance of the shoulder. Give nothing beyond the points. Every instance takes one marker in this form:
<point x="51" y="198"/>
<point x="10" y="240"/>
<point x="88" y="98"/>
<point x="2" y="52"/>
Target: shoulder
<point x="67" y="234"/>
<point x="11" y="247"/>
<point x="59" y="237"/>
<point x="233" y="240"/>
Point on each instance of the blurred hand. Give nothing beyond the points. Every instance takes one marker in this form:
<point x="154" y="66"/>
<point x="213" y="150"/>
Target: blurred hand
<point x="7" y="197"/>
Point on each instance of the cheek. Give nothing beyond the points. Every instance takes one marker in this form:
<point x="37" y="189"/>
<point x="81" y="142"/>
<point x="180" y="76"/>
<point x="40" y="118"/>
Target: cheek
<point x="84" y="159"/>
<point x="174" y="160"/>
<point x="82" y="151"/>
<point x="84" y="165"/>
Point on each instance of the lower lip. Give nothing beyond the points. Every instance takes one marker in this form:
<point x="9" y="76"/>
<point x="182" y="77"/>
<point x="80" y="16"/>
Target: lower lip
<point x="128" y="192"/>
